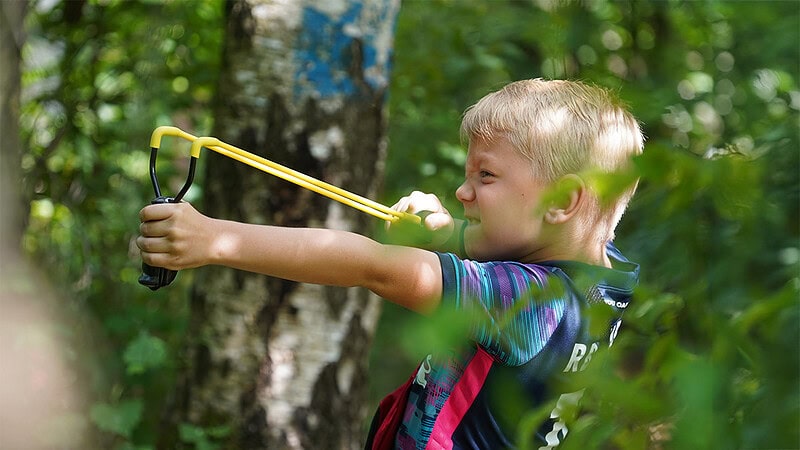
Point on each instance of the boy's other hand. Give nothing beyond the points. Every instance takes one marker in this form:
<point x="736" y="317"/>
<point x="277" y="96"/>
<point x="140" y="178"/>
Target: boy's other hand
<point x="436" y="219"/>
<point x="175" y="236"/>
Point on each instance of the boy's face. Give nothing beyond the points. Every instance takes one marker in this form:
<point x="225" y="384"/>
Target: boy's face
<point x="501" y="204"/>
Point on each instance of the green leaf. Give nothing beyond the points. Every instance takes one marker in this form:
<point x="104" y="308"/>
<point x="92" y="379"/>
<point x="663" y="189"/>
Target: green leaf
<point x="199" y="436"/>
<point x="120" y="419"/>
<point x="190" y="433"/>
<point x="219" y="432"/>
<point x="144" y="353"/>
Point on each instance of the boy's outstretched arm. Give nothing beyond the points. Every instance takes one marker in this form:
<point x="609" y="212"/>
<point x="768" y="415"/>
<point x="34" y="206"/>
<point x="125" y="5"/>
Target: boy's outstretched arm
<point x="177" y="236"/>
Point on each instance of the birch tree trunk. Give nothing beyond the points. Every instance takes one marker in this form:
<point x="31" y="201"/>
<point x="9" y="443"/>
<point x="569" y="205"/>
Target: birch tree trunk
<point x="274" y="364"/>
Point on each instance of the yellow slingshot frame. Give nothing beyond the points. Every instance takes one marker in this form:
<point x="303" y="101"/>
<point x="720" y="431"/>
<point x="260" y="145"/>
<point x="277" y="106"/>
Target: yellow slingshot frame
<point x="335" y="193"/>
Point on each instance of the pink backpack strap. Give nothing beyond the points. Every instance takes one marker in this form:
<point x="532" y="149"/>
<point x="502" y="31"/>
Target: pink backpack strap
<point x="458" y="403"/>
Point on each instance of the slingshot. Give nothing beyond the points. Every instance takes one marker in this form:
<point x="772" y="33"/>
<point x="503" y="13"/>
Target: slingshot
<point x="156" y="277"/>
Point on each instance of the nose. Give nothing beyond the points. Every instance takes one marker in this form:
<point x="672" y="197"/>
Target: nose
<point x="465" y="193"/>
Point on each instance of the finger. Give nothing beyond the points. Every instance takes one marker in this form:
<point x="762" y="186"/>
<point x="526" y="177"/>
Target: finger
<point x="429" y="202"/>
<point x="161" y="252"/>
<point x="153" y="245"/>
<point x="164" y="260"/>
<point x="154" y="229"/>
<point x="418" y="197"/>
<point x="401" y="205"/>
<point x="418" y="201"/>
<point x="159" y="211"/>
<point x="437" y="220"/>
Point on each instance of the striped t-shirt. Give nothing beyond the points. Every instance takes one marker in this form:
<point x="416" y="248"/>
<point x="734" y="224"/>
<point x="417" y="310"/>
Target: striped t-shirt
<point x="515" y="310"/>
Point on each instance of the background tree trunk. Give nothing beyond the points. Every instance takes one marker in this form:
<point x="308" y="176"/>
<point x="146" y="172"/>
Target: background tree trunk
<point x="11" y="40"/>
<point x="278" y="364"/>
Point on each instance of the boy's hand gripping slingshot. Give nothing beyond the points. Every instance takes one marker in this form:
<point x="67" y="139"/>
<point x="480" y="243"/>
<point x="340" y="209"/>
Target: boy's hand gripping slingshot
<point x="156" y="277"/>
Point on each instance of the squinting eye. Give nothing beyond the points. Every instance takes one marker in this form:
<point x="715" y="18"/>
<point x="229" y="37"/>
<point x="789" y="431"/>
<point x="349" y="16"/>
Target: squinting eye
<point x="484" y="174"/>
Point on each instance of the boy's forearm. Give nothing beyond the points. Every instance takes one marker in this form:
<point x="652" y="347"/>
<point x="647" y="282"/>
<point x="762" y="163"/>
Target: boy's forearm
<point x="297" y="254"/>
<point x="403" y="275"/>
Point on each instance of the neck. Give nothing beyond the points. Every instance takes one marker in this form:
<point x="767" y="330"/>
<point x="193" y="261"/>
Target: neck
<point x="600" y="257"/>
<point x="596" y="255"/>
<point x="587" y="248"/>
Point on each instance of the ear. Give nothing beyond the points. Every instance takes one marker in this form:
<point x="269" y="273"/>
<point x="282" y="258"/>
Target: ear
<point x="568" y="196"/>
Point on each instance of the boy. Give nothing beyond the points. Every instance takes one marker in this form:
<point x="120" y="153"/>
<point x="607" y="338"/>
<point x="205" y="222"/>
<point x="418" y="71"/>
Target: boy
<point x="531" y="256"/>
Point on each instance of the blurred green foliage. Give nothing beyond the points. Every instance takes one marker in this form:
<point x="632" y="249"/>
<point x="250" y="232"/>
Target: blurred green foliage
<point x="99" y="76"/>
<point x="708" y="356"/>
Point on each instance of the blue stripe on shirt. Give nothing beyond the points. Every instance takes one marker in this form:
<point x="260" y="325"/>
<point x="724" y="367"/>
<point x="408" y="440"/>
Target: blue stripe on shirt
<point x="511" y="331"/>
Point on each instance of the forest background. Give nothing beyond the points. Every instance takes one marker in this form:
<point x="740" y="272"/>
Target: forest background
<point x="709" y="353"/>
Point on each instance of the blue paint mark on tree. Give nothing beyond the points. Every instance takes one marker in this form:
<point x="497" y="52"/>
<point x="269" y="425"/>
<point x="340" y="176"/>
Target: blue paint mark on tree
<point x="325" y="51"/>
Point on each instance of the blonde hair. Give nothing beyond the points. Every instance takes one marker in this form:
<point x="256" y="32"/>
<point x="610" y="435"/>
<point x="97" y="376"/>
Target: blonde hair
<point x="563" y="127"/>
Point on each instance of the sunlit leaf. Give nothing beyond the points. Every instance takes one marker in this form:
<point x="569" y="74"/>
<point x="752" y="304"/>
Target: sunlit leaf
<point x="120" y="419"/>
<point x="144" y="353"/>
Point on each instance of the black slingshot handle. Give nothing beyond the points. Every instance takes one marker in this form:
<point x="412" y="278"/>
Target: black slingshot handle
<point x="158" y="277"/>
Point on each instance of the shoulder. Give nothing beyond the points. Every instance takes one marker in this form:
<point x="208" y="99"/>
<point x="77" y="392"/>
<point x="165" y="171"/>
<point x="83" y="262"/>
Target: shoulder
<point x="515" y="269"/>
<point x="503" y="281"/>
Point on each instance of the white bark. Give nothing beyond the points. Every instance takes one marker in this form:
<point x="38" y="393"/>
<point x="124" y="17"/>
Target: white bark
<point x="303" y="85"/>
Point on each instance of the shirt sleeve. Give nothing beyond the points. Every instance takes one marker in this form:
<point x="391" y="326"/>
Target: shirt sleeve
<point x="513" y="308"/>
